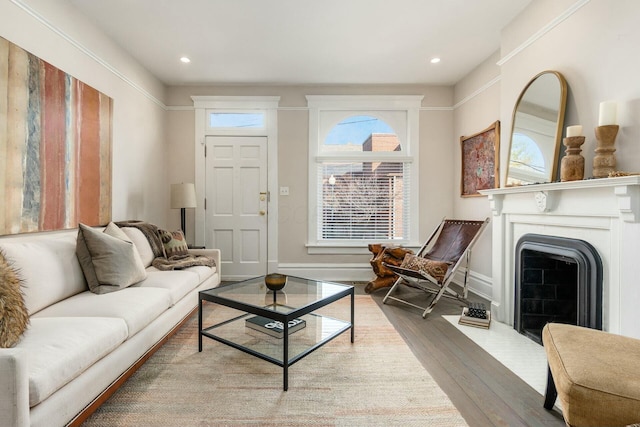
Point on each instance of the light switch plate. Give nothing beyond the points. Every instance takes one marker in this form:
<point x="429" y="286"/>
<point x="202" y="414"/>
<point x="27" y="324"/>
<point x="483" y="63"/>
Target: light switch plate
<point x="284" y="191"/>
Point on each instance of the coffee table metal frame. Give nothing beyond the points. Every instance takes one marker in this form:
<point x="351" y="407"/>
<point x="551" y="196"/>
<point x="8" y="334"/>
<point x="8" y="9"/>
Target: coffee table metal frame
<point x="212" y="295"/>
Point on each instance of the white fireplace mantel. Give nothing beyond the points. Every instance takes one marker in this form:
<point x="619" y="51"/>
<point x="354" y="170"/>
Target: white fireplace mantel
<point x="604" y="212"/>
<point x="626" y="189"/>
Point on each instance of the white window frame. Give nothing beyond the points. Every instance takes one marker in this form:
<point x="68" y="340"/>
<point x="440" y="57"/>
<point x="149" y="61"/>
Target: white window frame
<point x="373" y="105"/>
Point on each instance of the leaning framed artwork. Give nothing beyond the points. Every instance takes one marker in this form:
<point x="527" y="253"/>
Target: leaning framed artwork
<point x="480" y="163"/>
<point x="55" y="147"/>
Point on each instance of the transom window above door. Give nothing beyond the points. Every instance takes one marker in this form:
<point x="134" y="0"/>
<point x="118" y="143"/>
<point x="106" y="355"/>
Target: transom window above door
<point x="236" y="120"/>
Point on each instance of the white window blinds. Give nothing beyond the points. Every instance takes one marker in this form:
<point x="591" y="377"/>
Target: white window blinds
<point x="363" y="200"/>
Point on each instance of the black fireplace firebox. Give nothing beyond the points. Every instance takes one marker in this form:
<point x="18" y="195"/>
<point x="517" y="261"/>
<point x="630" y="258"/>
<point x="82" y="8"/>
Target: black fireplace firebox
<point x="558" y="279"/>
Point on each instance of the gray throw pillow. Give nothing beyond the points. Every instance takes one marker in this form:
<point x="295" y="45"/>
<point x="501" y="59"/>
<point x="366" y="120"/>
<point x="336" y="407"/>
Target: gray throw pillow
<point x="109" y="260"/>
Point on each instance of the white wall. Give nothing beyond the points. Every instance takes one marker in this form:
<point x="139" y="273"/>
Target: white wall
<point x="58" y="34"/>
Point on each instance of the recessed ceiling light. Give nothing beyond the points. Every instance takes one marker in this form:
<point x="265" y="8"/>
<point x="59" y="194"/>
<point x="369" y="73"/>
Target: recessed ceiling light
<point x="435" y="60"/>
<point x="185" y="60"/>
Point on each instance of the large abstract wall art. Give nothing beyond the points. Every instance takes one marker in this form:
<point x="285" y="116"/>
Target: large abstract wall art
<point x="55" y="147"/>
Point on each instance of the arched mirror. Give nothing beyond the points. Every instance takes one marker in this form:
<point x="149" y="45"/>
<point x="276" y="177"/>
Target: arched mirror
<point x="538" y="119"/>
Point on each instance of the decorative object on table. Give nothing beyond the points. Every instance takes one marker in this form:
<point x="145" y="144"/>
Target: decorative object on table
<point x="466" y="319"/>
<point x="572" y="164"/>
<point x="56" y="147"/>
<point x="275" y="281"/>
<point x="477" y="310"/>
<point x="183" y="196"/>
<point x="604" y="161"/>
<point x="480" y="165"/>
<point x="384" y="276"/>
<point x="273" y="327"/>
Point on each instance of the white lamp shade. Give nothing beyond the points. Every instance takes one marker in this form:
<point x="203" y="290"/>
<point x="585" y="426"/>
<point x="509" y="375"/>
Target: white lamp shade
<point x="183" y="195"/>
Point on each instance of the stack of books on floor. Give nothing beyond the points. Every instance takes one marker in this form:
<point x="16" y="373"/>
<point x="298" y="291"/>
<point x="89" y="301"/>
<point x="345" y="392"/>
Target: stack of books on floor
<point x="475" y="315"/>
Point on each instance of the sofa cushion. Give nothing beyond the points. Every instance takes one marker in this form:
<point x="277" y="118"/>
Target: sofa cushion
<point x="136" y="306"/>
<point x="109" y="260"/>
<point x="14" y="316"/>
<point x="177" y="282"/>
<point x="174" y="243"/>
<point x="141" y="243"/>
<point x="203" y="272"/>
<point x="59" y="349"/>
<point x="48" y="265"/>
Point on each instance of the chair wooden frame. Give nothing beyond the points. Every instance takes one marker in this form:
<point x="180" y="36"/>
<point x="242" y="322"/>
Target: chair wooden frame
<point x="436" y="249"/>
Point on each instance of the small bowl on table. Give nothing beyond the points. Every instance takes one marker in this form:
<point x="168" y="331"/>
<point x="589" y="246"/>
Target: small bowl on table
<point x="275" y="281"/>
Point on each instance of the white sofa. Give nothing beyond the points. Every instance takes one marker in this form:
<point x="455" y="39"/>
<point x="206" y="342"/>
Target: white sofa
<point x="79" y="344"/>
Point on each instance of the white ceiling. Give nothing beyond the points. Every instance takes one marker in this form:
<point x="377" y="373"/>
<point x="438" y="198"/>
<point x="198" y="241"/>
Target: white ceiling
<point x="305" y="41"/>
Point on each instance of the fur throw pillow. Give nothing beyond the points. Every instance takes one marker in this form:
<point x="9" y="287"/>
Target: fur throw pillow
<point x="14" y="317"/>
<point x="437" y="269"/>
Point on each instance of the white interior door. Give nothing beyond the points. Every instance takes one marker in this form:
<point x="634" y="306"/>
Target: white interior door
<point x="237" y="201"/>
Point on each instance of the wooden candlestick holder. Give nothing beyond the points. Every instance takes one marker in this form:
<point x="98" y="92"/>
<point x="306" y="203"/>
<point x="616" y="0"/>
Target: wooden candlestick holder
<point x="572" y="164"/>
<point x="604" y="161"/>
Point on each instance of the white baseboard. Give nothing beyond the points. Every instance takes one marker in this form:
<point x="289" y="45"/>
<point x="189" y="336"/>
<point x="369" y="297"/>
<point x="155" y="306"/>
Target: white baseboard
<point x="479" y="284"/>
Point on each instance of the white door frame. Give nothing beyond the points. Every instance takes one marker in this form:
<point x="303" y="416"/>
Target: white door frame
<point x="268" y="104"/>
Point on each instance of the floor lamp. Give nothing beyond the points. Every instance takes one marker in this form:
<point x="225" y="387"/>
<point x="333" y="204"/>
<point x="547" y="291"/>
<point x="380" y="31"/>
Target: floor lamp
<point x="183" y="196"/>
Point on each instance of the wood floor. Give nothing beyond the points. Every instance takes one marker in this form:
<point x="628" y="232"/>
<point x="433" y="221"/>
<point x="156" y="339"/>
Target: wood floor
<point x="484" y="391"/>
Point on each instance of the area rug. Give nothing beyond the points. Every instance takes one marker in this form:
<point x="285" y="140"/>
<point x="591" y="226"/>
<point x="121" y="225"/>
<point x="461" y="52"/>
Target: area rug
<point x="375" y="381"/>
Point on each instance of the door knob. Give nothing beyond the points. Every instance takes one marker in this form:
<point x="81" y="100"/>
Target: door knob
<point x="262" y="213"/>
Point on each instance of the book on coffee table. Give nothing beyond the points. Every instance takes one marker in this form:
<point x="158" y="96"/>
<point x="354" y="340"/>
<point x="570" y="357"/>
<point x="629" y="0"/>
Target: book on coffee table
<point x="273" y="327"/>
<point x="477" y="322"/>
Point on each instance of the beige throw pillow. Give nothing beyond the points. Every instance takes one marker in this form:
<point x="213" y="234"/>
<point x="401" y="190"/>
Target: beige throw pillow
<point x="109" y="260"/>
<point x="436" y="269"/>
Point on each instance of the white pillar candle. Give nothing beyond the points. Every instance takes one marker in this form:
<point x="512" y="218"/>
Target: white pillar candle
<point x="607" y="113"/>
<point x="575" y="130"/>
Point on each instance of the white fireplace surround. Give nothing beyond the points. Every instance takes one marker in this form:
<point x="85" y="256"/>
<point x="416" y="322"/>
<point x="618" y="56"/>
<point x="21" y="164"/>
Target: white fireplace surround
<point x="604" y="212"/>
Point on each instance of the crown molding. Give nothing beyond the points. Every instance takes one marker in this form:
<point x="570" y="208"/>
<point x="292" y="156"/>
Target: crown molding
<point x="476" y="92"/>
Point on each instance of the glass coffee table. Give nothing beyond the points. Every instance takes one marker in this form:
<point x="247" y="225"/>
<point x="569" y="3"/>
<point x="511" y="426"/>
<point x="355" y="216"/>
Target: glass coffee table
<point x="296" y="304"/>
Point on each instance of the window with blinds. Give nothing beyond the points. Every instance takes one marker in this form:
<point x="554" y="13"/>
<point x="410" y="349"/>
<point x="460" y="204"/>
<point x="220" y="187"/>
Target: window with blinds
<point x="364" y="200"/>
<point x="364" y="191"/>
<point x="363" y="165"/>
